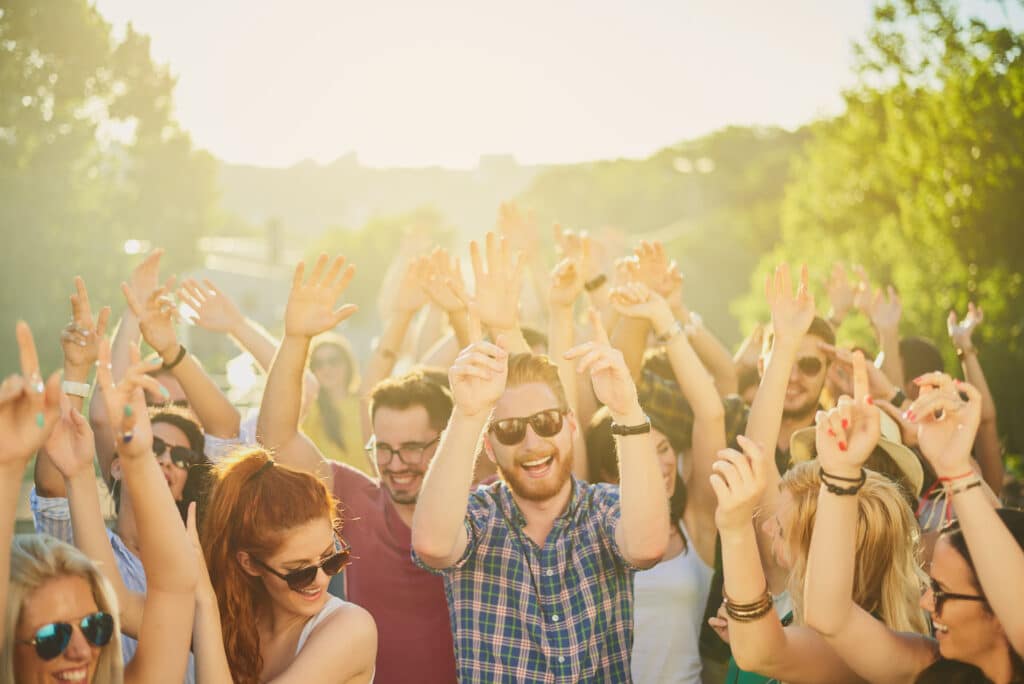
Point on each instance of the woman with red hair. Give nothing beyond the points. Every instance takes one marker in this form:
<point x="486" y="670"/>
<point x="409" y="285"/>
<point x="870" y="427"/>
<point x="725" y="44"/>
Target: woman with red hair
<point x="271" y="541"/>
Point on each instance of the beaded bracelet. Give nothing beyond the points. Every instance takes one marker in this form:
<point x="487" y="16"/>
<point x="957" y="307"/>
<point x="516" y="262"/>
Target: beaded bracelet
<point x="843" y="491"/>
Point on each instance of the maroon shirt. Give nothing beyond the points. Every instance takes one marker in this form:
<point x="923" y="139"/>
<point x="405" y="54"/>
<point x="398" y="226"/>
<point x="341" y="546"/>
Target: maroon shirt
<point x="414" y="635"/>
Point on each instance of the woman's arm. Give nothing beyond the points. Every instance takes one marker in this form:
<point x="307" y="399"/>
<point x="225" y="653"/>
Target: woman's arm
<point x="566" y="285"/>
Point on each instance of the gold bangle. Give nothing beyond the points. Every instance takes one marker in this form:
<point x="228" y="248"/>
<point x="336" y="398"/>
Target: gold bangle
<point x="748" y="612"/>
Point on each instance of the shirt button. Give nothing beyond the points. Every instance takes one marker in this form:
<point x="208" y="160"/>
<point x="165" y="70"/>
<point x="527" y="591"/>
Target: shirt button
<point x="554" y="618"/>
<point x="561" y="659"/>
<point x="549" y="573"/>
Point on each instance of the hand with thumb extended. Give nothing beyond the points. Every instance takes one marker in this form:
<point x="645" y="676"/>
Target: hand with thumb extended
<point x="479" y="373"/>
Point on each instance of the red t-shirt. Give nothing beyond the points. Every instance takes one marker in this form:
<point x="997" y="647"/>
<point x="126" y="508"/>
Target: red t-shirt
<point x="414" y="634"/>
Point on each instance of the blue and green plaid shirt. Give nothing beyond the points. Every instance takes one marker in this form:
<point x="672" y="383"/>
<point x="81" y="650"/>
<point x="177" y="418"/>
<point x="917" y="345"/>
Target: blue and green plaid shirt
<point x="562" y="613"/>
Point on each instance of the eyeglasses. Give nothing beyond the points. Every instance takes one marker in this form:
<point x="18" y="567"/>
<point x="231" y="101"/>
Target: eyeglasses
<point x="410" y="453"/>
<point x="941" y="596"/>
<point x="809" y="366"/>
<point x="511" y="431"/>
<point x="183" y="457"/>
<point x="51" y="640"/>
<point x="300" y="579"/>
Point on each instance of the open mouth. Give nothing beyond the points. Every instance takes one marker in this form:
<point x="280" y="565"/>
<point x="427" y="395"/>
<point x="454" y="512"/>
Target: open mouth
<point x="311" y="594"/>
<point x="940" y="629"/>
<point x="76" y="675"/>
<point x="402" y="479"/>
<point x="538" y="467"/>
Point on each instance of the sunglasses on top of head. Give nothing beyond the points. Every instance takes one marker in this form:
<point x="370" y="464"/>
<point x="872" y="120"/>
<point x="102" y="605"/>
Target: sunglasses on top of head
<point x="183" y="457"/>
<point x="511" y="431"/>
<point x="300" y="579"/>
<point x="51" y="640"/>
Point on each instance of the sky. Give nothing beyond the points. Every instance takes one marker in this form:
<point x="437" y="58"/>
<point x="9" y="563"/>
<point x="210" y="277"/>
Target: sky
<point x="414" y="83"/>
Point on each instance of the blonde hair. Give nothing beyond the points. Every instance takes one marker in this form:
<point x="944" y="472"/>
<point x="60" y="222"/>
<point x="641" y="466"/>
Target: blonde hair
<point x="887" y="574"/>
<point x="35" y="560"/>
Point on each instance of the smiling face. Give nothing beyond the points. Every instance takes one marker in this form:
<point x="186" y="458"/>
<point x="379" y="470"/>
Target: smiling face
<point x="806" y="378"/>
<point x="536" y="468"/>
<point x="62" y="599"/>
<point x="966" y="630"/>
<point x="406" y="429"/>
<point x="175" y="476"/>
<point x="302" y="546"/>
<point x="666" y="460"/>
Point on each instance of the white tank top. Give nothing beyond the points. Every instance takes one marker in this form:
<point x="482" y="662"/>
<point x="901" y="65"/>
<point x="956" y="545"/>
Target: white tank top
<point x="668" y="610"/>
<point x="333" y="604"/>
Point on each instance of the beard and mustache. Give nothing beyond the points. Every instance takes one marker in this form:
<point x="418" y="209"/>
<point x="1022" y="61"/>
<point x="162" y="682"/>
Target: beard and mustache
<point x="537" y="489"/>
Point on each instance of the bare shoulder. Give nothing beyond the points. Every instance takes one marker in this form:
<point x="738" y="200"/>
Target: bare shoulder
<point x="342" y="648"/>
<point x="354" y="626"/>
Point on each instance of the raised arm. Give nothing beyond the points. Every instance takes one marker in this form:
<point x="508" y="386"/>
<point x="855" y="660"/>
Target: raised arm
<point x="696" y="384"/>
<point x="310" y="311"/>
<point x="643" y="528"/>
<point x="840" y="295"/>
<point x="28" y="411"/>
<point x="988" y="451"/>
<point x="566" y="286"/>
<point x="759" y="641"/>
<point x="946" y="442"/>
<point x="166" y="553"/>
<point x="156" y="320"/>
<point x="845" y="438"/>
<point x="497" y="281"/>
<point x="441" y="279"/>
<point x="80" y="344"/>
<point x="885" y="311"/>
<point x="477" y="380"/>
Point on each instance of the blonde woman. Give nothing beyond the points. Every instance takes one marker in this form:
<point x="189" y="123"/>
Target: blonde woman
<point x="887" y="583"/>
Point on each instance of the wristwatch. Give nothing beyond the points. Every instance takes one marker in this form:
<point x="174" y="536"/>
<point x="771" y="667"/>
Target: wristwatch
<point x="627" y="430"/>
<point x="898" y="398"/>
<point x="75" y="389"/>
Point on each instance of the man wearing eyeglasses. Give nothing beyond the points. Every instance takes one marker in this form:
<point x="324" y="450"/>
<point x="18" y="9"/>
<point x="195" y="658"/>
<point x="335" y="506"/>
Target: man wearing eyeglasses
<point x="538" y="567"/>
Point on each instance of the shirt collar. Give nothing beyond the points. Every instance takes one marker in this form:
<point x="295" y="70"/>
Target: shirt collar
<point x="513" y="512"/>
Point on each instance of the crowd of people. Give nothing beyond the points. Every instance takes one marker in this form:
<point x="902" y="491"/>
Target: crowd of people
<point x="570" y="480"/>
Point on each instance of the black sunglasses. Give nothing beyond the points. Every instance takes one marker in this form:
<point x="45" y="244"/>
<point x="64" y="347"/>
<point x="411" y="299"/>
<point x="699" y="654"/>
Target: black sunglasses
<point x="51" y="640"/>
<point x="183" y="457"/>
<point x="300" y="579"/>
<point x="410" y="453"/>
<point x="809" y="366"/>
<point x="940" y="596"/>
<point x="510" y="431"/>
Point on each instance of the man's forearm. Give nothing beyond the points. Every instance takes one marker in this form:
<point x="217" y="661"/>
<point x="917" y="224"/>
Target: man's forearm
<point x="441" y="505"/>
<point x="644" y="522"/>
<point x="260" y="344"/>
<point x="892" y="363"/>
<point x="716" y="359"/>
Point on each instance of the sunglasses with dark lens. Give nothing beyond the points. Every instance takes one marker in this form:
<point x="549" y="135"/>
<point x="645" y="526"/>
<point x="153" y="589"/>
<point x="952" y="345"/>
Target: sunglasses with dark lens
<point x="300" y="579"/>
<point x="51" y="640"/>
<point x="940" y="596"/>
<point x="183" y="457"/>
<point x="809" y="366"/>
<point x="511" y="431"/>
<point x="410" y="453"/>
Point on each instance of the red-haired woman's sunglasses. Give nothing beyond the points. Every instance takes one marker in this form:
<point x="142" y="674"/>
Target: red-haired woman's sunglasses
<point x="300" y="579"/>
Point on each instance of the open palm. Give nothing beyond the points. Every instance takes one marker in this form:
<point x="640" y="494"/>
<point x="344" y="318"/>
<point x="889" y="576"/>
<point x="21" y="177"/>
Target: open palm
<point x="310" y="309"/>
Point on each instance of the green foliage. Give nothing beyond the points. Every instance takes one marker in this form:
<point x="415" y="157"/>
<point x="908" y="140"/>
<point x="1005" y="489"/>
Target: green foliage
<point x="90" y="157"/>
<point x="920" y="180"/>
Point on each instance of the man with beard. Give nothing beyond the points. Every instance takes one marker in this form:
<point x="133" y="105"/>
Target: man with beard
<point x="407" y="414"/>
<point x="538" y="567"/>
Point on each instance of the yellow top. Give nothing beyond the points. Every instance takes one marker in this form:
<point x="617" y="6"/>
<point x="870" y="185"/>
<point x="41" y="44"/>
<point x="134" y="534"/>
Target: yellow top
<point x="351" y="430"/>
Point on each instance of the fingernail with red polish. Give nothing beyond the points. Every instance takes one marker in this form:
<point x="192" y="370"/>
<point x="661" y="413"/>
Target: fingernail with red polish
<point x="846" y="423"/>
<point x="870" y="400"/>
<point x="831" y="433"/>
<point x="842" y="446"/>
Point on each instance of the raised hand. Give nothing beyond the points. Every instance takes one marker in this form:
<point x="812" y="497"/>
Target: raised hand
<point x="750" y="351"/>
<point x="656" y="271"/>
<point x="960" y="332"/>
<point x="566" y="283"/>
<point x="310" y="310"/>
<point x="846" y="435"/>
<point x="71" y="446"/>
<point x="441" y="278"/>
<point x="879" y="386"/>
<point x="738" y="480"/>
<point x="840" y="292"/>
<point x="635" y="300"/>
<point x="496" y="299"/>
<point x="612" y="382"/>
<point x="479" y="373"/>
<point x="946" y="422"/>
<point x="792" y="315"/>
<point x="156" y="316"/>
<point x="146" y="276"/>
<point x="214" y="310"/>
<point x="582" y="247"/>
<point x="80" y="338"/>
<point x="520" y="229"/>
<point x="861" y="289"/>
<point x="411" y="295"/>
<point x="885" y="311"/>
<point x="126" y="401"/>
<point x="28" y="407"/>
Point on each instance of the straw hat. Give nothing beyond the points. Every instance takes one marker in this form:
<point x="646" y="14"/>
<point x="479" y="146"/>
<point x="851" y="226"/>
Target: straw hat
<point x="801" y="448"/>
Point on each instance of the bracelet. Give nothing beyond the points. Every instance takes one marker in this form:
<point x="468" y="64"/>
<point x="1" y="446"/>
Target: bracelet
<point x="748" y="612"/>
<point x="675" y="329"/>
<point x="627" y="430"/>
<point x="694" y="324"/>
<point x="177" y="359"/>
<point x="844" y="491"/>
<point x="957" y="477"/>
<point x="75" y="389"/>
<point x="830" y="476"/>
<point x="898" y="398"/>
<point x="595" y="282"/>
<point x="961" y="353"/>
<point x="953" y="491"/>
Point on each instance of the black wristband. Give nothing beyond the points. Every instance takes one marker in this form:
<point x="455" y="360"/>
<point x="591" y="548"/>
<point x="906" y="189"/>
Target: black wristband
<point x="595" y="282"/>
<point x="177" y="359"/>
<point x="627" y="430"/>
<point x="898" y="398"/>
<point x="844" y="491"/>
